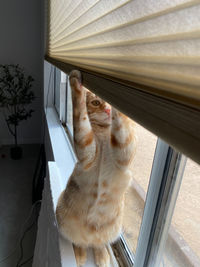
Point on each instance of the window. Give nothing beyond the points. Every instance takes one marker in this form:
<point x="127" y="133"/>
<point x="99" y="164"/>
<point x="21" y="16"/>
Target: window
<point x="183" y="238"/>
<point x="60" y="93"/>
<point x="136" y="194"/>
<point x="158" y="172"/>
<point x="63" y="100"/>
<point x="69" y="111"/>
<point x="57" y="81"/>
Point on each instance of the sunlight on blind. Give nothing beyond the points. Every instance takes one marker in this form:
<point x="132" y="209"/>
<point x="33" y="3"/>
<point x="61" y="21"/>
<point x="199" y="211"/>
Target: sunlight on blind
<point x="153" y="43"/>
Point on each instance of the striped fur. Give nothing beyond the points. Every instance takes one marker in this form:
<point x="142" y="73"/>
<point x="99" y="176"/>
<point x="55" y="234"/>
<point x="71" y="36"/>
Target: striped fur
<point x="90" y="210"/>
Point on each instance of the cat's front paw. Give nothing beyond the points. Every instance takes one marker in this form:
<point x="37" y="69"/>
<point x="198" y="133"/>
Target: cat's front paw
<point x="75" y="79"/>
<point x="102" y="257"/>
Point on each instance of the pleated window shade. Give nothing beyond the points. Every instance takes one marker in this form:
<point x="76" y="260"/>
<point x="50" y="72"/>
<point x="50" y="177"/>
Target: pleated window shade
<point x="148" y="48"/>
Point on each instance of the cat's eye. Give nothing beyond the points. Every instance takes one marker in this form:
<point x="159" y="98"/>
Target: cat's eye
<point x="95" y="102"/>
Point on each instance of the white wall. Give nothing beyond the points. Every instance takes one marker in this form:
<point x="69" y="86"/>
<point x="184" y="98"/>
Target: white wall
<point x="21" y="42"/>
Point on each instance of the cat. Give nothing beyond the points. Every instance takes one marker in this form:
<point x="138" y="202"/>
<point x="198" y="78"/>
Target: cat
<point x="90" y="209"/>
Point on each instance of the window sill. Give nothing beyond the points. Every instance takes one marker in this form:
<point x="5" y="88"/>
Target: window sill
<point x="59" y="173"/>
<point x="63" y="153"/>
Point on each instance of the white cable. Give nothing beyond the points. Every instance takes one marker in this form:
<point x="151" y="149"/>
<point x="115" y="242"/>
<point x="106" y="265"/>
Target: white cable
<point x="21" y="233"/>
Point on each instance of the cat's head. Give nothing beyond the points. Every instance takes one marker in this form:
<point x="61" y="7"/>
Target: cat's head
<point x="99" y="111"/>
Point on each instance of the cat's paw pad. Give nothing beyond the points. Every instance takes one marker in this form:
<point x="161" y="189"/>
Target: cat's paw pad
<point x="80" y="255"/>
<point x="75" y="78"/>
<point x="102" y="257"/>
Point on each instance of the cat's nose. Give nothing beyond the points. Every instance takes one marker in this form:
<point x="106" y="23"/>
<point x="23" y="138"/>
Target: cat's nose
<point x="107" y="110"/>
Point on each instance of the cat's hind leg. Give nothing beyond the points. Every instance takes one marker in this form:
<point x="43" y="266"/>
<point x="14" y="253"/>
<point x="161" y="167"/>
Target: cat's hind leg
<point x="81" y="255"/>
<point x="102" y="257"/>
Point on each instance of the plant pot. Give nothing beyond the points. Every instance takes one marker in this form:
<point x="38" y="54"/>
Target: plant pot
<point x="16" y="152"/>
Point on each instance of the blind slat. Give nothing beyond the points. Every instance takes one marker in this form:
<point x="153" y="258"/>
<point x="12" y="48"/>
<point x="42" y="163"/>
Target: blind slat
<point x="84" y="19"/>
<point x="156" y="50"/>
<point x="76" y="9"/>
<point x="158" y="27"/>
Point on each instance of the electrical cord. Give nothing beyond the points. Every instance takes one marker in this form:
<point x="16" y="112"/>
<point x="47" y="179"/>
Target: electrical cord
<point x="21" y="233"/>
<point x="21" y="244"/>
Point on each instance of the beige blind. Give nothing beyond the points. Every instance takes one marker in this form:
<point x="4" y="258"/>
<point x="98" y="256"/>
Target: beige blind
<point x="148" y="51"/>
<point x="155" y="43"/>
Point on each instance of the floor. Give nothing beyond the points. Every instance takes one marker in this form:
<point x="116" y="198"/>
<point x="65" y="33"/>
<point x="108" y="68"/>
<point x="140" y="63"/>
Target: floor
<point x="15" y="206"/>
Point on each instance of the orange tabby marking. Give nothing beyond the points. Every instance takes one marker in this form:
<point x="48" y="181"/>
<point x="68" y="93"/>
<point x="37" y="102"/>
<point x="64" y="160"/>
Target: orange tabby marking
<point x="104" y="184"/>
<point x="104" y="195"/>
<point x="92" y="161"/>
<point x="87" y="140"/>
<point x="94" y="195"/>
<point x="124" y="162"/>
<point x="116" y="143"/>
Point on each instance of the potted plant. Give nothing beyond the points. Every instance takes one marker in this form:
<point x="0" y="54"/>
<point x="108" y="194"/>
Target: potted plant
<point x="15" y="96"/>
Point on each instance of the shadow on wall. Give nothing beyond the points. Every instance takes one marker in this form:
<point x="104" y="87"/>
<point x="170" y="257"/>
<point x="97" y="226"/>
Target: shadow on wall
<point x="21" y="43"/>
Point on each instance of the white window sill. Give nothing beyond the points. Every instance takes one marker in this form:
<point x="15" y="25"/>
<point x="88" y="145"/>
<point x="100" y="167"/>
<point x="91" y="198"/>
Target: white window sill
<point x="59" y="173"/>
<point x="61" y="147"/>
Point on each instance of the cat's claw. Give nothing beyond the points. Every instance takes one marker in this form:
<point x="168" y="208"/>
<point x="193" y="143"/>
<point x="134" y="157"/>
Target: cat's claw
<point x="81" y="255"/>
<point x="102" y="257"/>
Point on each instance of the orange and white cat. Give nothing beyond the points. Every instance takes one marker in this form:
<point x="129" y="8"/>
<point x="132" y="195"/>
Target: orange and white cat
<point x="90" y="209"/>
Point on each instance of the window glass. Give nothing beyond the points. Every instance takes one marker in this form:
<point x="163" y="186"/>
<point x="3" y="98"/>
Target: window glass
<point x="69" y="109"/>
<point x="183" y="243"/>
<point x="136" y="194"/>
<point x="63" y="97"/>
<point x="57" y="81"/>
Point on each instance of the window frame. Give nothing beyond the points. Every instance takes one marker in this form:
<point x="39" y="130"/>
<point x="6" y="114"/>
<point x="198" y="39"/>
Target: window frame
<point x="56" y="93"/>
<point x="166" y="176"/>
<point x="69" y="109"/>
<point x="166" y="159"/>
